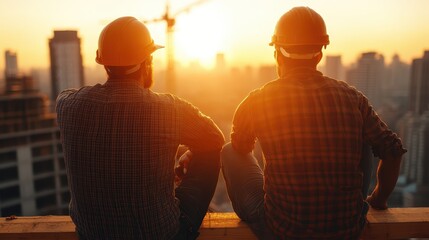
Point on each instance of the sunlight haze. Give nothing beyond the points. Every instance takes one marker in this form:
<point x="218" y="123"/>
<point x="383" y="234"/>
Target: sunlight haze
<point x="240" y="29"/>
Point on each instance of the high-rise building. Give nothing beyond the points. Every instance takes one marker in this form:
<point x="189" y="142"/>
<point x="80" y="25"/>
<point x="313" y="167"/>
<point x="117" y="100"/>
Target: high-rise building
<point x="33" y="179"/>
<point x="415" y="167"/>
<point x="398" y="79"/>
<point x="66" y="62"/>
<point x="419" y="86"/>
<point x="220" y="62"/>
<point x="333" y="67"/>
<point x="16" y="82"/>
<point x="11" y="62"/>
<point x="368" y="76"/>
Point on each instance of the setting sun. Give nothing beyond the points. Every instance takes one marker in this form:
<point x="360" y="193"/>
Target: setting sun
<point x="200" y="34"/>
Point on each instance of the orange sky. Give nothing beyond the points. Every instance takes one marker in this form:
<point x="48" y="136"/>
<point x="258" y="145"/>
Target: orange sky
<point x="239" y="28"/>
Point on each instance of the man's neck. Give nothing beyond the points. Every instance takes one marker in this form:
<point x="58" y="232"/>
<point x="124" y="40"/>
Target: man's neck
<point x="288" y="68"/>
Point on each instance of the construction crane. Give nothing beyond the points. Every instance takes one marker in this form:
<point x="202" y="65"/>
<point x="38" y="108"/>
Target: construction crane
<point x="170" y="20"/>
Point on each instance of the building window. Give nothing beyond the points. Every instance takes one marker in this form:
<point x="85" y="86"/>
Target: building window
<point x="45" y="166"/>
<point x="42" y="184"/>
<point x="13" y="142"/>
<point x="64" y="181"/>
<point x="46" y="201"/>
<point x="65" y="197"/>
<point x="8" y="174"/>
<point x="9" y="193"/>
<point x="41" y="151"/>
<point x="8" y="157"/>
<point x="58" y="135"/>
<point x="61" y="163"/>
<point x="41" y="137"/>
<point x="12" y="210"/>
<point x="60" y="148"/>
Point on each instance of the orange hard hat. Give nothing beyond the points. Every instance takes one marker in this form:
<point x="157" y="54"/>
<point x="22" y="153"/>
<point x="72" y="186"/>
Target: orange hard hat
<point x="125" y="42"/>
<point x="300" y="26"/>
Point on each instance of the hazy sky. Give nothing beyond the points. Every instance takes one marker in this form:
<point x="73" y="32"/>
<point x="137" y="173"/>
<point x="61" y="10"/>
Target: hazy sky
<point x="239" y="28"/>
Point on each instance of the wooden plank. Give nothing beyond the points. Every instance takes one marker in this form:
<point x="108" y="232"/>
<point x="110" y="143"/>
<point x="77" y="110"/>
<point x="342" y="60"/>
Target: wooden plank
<point x="224" y="226"/>
<point x="394" y="223"/>
<point x="397" y="223"/>
<point x="38" y="228"/>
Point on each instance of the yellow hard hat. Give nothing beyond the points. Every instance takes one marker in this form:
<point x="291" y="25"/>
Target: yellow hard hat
<point x="125" y="42"/>
<point x="300" y="26"/>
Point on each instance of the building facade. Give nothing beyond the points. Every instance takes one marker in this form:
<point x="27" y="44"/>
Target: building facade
<point x="33" y="179"/>
<point x="66" y="62"/>
<point x="334" y="67"/>
<point x="368" y="77"/>
<point x="415" y="125"/>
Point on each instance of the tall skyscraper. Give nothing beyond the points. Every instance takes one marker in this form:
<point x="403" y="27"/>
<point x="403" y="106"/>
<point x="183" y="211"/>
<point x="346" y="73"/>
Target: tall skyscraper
<point x="333" y="67"/>
<point x="368" y="76"/>
<point x="220" y="62"/>
<point x="66" y="62"/>
<point x="415" y="165"/>
<point x="398" y="79"/>
<point x="419" y="86"/>
<point x="11" y="61"/>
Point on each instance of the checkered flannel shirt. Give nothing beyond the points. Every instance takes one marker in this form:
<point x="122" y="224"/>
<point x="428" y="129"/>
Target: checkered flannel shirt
<point x="311" y="129"/>
<point x="119" y="142"/>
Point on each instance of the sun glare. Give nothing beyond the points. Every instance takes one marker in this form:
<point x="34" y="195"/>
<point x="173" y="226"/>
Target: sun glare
<point x="199" y="35"/>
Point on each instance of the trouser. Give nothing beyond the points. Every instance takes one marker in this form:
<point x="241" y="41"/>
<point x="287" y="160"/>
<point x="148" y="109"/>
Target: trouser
<point x="244" y="182"/>
<point x="196" y="191"/>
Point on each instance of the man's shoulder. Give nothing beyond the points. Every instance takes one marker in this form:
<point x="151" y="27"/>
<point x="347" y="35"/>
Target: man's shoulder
<point x="70" y="94"/>
<point x="73" y="91"/>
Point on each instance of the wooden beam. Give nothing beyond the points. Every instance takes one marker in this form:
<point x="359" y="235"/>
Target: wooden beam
<point x="38" y="228"/>
<point x="397" y="223"/>
<point x="394" y="223"/>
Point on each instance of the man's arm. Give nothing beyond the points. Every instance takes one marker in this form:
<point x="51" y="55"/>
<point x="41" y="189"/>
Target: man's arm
<point x="388" y="147"/>
<point x="198" y="131"/>
<point x="243" y="135"/>
<point x="387" y="175"/>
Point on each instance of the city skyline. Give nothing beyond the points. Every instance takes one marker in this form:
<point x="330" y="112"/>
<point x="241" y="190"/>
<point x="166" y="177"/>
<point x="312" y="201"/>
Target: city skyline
<point x="240" y="31"/>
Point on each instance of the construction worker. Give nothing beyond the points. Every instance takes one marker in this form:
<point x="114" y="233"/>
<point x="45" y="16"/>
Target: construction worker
<point x="120" y="140"/>
<point x="312" y="130"/>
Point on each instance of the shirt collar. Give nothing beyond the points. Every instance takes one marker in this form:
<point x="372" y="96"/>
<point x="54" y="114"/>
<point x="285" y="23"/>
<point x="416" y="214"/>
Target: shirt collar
<point x="124" y="83"/>
<point x="302" y="73"/>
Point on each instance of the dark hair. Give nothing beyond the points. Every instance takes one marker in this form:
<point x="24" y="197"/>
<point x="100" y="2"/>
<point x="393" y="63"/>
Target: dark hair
<point x="119" y="72"/>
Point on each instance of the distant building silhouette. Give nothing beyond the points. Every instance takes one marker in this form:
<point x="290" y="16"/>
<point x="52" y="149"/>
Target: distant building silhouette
<point x="419" y="89"/>
<point x="415" y="127"/>
<point x="368" y="76"/>
<point x="11" y="62"/>
<point x="267" y="73"/>
<point x="220" y="62"/>
<point x="15" y="81"/>
<point x="66" y="62"/>
<point x="398" y="79"/>
<point x="20" y="84"/>
<point x="333" y="67"/>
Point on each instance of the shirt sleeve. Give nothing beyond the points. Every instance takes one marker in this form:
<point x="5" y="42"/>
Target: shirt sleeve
<point x="62" y="96"/>
<point x="198" y="131"/>
<point x="384" y="142"/>
<point x="243" y="135"/>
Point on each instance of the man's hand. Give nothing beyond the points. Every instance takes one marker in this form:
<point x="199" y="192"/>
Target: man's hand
<point x="183" y="163"/>
<point x="375" y="203"/>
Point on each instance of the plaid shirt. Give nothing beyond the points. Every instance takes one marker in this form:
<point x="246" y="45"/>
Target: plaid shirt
<point x="311" y="129"/>
<point x="119" y="142"/>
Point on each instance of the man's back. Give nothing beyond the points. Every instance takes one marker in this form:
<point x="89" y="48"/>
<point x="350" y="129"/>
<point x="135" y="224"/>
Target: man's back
<point x="310" y="130"/>
<point x="119" y="144"/>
